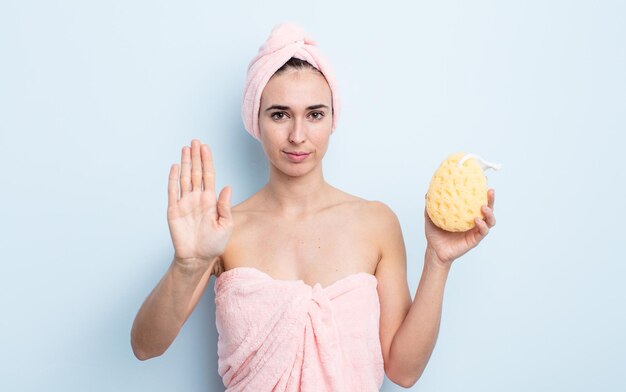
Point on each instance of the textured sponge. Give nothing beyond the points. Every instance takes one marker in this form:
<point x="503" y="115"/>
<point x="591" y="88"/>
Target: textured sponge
<point x="457" y="191"/>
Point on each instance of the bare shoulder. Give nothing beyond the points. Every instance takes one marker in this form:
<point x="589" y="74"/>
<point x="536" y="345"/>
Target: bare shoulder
<point x="378" y="214"/>
<point x="375" y="217"/>
<point x="381" y="211"/>
<point x="384" y="225"/>
<point x="372" y="212"/>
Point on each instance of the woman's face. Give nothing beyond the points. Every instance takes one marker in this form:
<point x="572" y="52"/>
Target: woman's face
<point x="295" y="120"/>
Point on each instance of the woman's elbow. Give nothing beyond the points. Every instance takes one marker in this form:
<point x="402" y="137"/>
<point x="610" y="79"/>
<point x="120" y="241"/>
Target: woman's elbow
<point x="403" y="380"/>
<point x="140" y="353"/>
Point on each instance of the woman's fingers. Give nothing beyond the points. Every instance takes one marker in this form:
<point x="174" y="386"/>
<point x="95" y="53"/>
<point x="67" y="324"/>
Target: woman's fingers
<point x="208" y="172"/>
<point x="196" y="166"/>
<point x="483" y="228"/>
<point x="185" y="172"/>
<point x="224" y="205"/>
<point x="172" y="186"/>
<point x="489" y="219"/>
<point x="196" y="169"/>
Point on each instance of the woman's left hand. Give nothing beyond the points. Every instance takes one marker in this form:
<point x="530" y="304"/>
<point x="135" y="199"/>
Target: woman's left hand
<point x="447" y="246"/>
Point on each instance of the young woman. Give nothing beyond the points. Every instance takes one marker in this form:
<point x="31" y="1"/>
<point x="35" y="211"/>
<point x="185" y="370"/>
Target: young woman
<point x="311" y="289"/>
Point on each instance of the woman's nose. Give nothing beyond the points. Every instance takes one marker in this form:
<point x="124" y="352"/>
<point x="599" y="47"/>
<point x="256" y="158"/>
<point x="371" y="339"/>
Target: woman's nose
<point x="297" y="134"/>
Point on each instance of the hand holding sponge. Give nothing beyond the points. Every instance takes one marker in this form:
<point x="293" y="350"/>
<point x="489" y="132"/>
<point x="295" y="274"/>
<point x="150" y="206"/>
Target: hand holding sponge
<point x="457" y="191"/>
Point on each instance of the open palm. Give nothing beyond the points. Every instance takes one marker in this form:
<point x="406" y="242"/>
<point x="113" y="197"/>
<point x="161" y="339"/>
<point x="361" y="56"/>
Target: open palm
<point x="200" y="225"/>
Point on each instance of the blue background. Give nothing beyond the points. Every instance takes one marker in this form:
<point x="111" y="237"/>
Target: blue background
<point x="98" y="97"/>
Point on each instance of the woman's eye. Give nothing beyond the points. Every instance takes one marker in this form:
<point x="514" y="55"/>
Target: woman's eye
<point x="282" y="115"/>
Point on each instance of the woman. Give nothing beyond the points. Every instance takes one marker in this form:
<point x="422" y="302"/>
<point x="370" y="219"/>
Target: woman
<point x="311" y="289"/>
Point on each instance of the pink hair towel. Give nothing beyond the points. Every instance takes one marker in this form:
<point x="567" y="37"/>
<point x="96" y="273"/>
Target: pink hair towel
<point x="286" y="40"/>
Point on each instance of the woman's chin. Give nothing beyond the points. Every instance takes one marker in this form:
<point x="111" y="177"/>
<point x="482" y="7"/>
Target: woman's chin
<point x="294" y="170"/>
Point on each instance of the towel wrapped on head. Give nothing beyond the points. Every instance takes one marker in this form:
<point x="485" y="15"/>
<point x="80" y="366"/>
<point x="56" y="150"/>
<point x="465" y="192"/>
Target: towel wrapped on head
<point x="286" y="40"/>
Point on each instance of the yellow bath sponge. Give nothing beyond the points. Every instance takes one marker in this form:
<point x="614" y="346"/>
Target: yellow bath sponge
<point x="457" y="191"/>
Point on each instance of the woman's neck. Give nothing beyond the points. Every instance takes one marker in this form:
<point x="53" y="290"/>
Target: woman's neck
<point x="296" y="196"/>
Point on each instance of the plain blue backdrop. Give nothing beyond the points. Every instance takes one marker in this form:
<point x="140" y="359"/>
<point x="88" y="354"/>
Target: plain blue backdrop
<point x="98" y="97"/>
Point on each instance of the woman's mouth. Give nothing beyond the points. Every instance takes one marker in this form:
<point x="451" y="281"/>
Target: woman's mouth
<point x="296" y="156"/>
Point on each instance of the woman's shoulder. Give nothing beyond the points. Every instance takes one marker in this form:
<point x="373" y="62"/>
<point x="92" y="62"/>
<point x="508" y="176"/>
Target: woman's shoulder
<point x="372" y="210"/>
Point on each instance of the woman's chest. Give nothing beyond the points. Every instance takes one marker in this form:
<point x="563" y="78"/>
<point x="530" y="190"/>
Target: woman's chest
<point x="323" y="249"/>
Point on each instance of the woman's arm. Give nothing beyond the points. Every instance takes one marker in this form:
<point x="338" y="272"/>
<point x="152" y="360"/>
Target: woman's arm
<point x="200" y="226"/>
<point x="168" y="306"/>
<point x="415" y="340"/>
<point x="409" y="329"/>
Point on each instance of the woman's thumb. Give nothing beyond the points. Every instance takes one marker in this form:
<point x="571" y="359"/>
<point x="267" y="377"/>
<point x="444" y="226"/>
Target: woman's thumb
<point x="223" y="204"/>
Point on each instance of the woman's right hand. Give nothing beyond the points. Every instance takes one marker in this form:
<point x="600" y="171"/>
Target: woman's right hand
<point x="200" y="225"/>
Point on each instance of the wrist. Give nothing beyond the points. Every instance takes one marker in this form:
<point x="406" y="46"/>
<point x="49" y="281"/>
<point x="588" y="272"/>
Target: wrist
<point x="432" y="260"/>
<point x="194" y="264"/>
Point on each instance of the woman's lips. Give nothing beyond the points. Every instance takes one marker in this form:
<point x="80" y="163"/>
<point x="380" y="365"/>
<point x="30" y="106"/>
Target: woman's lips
<point x="296" y="157"/>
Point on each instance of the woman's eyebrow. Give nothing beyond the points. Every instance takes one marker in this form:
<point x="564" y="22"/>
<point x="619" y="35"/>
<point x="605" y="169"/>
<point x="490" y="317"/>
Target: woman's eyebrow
<point x="281" y="107"/>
